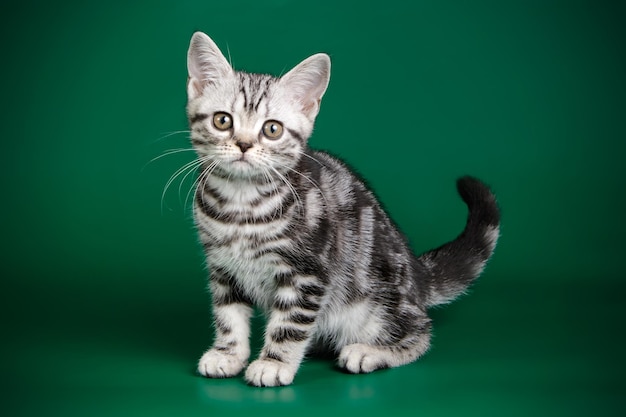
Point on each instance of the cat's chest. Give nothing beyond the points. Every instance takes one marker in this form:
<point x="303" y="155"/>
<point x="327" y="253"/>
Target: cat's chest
<point x="244" y="233"/>
<point x="244" y="218"/>
<point x="254" y="274"/>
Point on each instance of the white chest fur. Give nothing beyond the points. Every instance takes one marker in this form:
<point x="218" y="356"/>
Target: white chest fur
<point x="254" y="275"/>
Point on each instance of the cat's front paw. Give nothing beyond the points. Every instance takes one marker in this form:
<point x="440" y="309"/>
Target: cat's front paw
<point x="360" y="359"/>
<point x="269" y="373"/>
<point x="216" y="364"/>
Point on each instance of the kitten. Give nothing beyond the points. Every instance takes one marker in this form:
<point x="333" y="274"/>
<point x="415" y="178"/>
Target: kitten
<point x="295" y="233"/>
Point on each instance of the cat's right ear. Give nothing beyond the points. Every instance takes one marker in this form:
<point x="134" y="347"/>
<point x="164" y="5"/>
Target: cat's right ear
<point x="205" y="63"/>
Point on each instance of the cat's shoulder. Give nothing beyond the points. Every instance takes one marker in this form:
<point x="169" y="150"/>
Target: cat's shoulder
<point x="328" y="161"/>
<point x="336" y="164"/>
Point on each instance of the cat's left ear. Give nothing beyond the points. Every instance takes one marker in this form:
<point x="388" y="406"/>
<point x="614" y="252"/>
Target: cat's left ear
<point x="206" y="64"/>
<point x="307" y="83"/>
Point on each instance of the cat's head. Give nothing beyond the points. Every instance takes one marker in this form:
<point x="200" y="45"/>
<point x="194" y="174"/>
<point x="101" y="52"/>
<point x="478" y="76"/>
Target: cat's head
<point x="251" y="125"/>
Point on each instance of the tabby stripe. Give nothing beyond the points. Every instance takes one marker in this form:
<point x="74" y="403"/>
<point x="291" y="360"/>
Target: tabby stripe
<point x="260" y="91"/>
<point x="272" y="193"/>
<point x="245" y="97"/>
<point x="258" y="103"/>
<point x="316" y="170"/>
<point x="273" y="356"/>
<point x="300" y="318"/>
<point x="197" y="142"/>
<point x="285" y="305"/>
<point x="302" y="303"/>
<point x="286" y="202"/>
<point x="311" y="290"/>
<point x="254" y="238"/>
<point x="222" y="348"/>
<point x="198" y="117"/>
<point x="241" y="219"/>
<point x="288" y="334"/>
<point x="213" y="193"/>
<point x="271" y="246"/>
<point x="295" y="135"/>
<point x="210" y="211"/>
<point x="284" y="279"/>
<point x="221" y="276"/>
<point x="211" y="241"/>
<point x="321" y="237"/>
<point x="219" y="172"/>
<point x="305" y="264"/>
<point x="309" y="304"/>
<point x="226" y="292"/>
<point x="223" y="328"/>
<point x="234" y="296"/>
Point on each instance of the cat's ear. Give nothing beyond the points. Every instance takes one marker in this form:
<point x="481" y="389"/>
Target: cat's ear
<point x="307" y="83"/>
<point x="205" y="64"/>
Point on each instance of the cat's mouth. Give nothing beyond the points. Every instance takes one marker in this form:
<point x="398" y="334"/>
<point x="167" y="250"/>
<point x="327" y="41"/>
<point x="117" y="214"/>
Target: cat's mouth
<point x="241" y="166"/>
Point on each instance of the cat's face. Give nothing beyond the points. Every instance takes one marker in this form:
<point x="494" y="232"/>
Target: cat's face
<point x="251" y="125"/>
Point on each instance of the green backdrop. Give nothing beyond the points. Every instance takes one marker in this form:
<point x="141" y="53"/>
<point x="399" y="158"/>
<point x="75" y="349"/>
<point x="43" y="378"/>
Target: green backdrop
<point x="104" y="306"/>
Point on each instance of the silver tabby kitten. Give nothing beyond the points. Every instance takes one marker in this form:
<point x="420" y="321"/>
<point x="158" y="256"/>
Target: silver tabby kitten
<point x="295" y="233"/>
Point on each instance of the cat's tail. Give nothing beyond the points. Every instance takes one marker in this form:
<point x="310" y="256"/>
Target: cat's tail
<point x="450" y="269"/>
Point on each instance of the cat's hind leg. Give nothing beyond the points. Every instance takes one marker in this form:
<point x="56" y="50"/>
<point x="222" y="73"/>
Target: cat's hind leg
<point x="359" y="358"/>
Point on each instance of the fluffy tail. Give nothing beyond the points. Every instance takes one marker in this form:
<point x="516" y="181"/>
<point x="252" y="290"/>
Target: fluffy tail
<point x="451" y="268"/>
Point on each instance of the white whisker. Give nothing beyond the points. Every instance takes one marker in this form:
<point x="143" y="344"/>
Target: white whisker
<point x="275" y="190"/>
<point x="303" y="153"/>
<point x="167" y="153"/>
<point x="189" y="166"/>
<point x="200" y="181"/>
<point x="290" y="186"/>
<point x="170" y="134"/>
<point x="302" y="175"/>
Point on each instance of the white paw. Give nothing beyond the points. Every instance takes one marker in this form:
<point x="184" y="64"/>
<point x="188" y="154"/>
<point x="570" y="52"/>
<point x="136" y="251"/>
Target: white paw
<point x="361" y="359"/>
<point x="269" y="373"/>
<point x="216" y="364"/>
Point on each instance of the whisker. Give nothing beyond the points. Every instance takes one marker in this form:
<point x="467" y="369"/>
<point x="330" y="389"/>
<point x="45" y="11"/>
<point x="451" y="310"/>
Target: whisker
<point x="182" y="181"/>
<point x="230" y="58"/>
<point x="303" y="153"/>
<point x="167" y="153"/>
<point x="189" y="166"/>
<point x="275" y="190"/>
<point x="170" y="134"/>
<point x="200" y="181"/>
<point x="274" y="161"/>
<point x="290" y="186"/>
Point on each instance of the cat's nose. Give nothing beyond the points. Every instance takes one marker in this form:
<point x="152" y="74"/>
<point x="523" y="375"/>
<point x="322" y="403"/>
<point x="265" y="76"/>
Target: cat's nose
<point x="244" y="146"/>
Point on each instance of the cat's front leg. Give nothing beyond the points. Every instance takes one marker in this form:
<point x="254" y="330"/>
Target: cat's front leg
<point x="288" y="332"/>
<point x="231" y="348"/>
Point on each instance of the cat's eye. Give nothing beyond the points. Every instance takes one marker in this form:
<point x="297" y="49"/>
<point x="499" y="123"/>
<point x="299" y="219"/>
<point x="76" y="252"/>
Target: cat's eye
<point x="272" y="129"/>
<point x="222" y="121"/>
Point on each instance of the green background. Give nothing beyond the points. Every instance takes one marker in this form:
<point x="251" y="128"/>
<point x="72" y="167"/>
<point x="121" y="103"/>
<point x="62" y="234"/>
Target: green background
<point x="104" y="306"/>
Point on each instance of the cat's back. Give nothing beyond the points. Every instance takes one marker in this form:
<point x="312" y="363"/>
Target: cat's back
<point x="362" y="226"/>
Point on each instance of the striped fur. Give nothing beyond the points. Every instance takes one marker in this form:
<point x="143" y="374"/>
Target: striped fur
<point x="297" y="234"/>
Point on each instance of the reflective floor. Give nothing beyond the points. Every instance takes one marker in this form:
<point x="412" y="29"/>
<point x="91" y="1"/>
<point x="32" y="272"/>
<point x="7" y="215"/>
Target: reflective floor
<point x="503" y="350"/>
